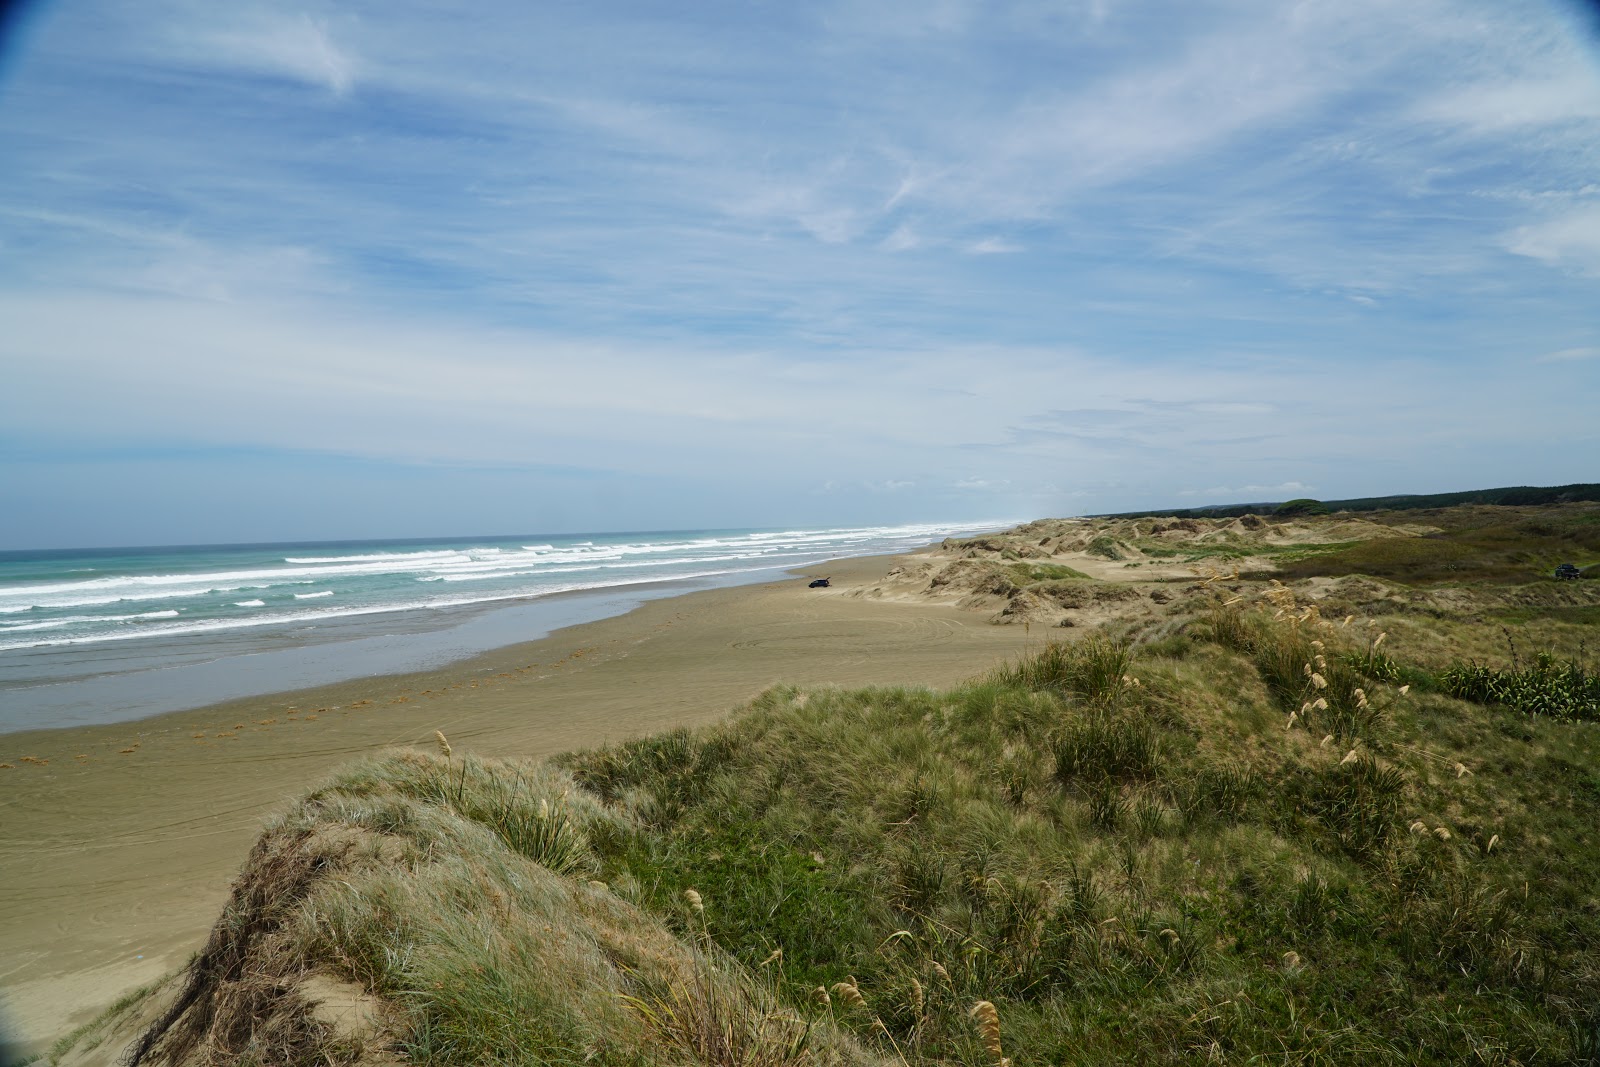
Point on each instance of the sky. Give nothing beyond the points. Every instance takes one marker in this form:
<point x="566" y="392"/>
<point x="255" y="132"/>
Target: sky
<point x="275" y="271"/>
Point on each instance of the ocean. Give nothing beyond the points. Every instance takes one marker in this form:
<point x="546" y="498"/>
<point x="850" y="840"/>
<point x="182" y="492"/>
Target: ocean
<point x="108" y="635"/>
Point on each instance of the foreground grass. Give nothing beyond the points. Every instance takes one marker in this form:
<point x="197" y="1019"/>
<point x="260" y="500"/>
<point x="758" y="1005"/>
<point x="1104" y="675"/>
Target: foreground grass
<point x="1136" y="860"/>
<point x="1262" y="837"/>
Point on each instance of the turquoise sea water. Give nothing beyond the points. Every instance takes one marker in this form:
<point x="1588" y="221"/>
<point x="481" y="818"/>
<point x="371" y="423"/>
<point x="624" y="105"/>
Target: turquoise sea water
<point x="113" y="634"/>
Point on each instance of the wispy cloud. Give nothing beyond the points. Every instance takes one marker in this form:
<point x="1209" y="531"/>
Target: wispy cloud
<point x="1571" y="239"/>
<point x="268" y="41"/>
<point x="993" y="246"/>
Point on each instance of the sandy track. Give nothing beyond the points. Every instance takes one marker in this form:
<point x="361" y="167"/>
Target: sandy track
<point x="114" y="863"/>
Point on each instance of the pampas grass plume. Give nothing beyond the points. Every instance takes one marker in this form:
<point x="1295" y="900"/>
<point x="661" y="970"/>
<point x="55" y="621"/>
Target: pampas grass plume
<point x="988" y="1018"/>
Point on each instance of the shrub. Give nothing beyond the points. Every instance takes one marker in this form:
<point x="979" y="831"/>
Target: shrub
<point x="1105" y="546"/>
<point x="1563" y="690"/>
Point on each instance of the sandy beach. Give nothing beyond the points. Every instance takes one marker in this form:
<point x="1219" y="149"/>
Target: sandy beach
<point x="120" y="841"/>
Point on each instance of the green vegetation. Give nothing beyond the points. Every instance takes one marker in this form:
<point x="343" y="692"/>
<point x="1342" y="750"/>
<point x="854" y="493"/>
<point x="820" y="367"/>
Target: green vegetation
<point x="1300" y="506"/>
<point x="1226" y="551"/>
<point x="1105" y="547"/>
<point x="1576" y="614"/>
<point x="1108" y="846"/>
<point x="1509" y="496"/>
<point x="456" y="892"/>
<point x="1475" y="546"/>
<point x="1560" y="690"/>
<point x="1027" y="573"/>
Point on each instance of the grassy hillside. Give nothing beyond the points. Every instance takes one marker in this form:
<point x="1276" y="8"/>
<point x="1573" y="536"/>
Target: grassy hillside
<point x="1474" y="544"/>
<point x="1258" y="828"/>
<point x="1506" y="496"/>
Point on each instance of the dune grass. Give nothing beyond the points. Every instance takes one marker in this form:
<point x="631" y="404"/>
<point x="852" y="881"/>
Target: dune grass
<point x="1259" y="836"/>
<point x="1134" y="860"/>
<point x="1026" y="574"/>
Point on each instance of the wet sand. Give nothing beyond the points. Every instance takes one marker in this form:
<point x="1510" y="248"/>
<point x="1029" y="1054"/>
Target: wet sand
<point x="118" y="843"/>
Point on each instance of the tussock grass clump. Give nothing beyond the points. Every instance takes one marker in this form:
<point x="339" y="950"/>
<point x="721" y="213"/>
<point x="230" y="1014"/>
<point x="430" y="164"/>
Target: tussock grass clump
<point x="1107" y="748"/>
<point x="1318" y="672"/>
<point x="432" y="885"/>
<point x="1095" y="670"/>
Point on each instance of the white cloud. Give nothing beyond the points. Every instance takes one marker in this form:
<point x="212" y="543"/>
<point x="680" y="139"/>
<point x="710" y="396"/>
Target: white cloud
<point x="1569" y="240"/>
<point x="993" y="246"/>
<point x="273" y="42"/>
<point x="903" y="239"/>
<point x="1534" y="101"/>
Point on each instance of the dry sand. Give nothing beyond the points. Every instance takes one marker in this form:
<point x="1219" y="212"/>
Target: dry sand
<point x="119" y="842"/>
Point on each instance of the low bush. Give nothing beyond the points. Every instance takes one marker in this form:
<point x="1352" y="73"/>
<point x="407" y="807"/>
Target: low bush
<point x="1561" y="690"/>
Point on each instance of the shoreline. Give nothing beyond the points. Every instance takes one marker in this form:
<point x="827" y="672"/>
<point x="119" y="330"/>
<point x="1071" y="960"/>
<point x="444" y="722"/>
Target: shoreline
<point x="408" y="650"/>
<point x="123" y="838"/>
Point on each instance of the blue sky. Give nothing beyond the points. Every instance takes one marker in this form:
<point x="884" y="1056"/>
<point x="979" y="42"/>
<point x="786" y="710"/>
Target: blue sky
<point x="350" y="270"/>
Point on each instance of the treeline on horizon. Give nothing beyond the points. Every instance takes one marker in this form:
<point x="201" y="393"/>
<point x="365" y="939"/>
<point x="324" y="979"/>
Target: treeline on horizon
<point x="1509" y="496"/>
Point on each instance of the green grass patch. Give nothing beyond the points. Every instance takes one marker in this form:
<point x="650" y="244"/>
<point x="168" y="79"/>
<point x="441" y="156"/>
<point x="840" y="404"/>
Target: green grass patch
<point x="1572" y="614"/>
<point x="1105" y="546"/>
<point x="1227" y="551"/>
<point x="1028" y="573"/>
